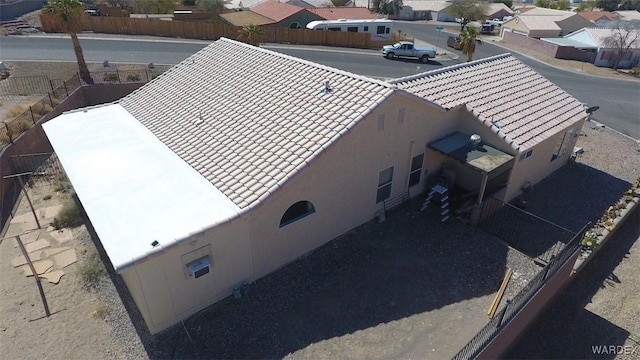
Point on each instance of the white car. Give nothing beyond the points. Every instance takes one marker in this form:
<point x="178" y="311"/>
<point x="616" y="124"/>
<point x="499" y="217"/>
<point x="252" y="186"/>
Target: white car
<point x="407" y="49"/>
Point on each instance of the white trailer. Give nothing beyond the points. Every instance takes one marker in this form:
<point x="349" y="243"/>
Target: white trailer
<point x="380" y="29"/>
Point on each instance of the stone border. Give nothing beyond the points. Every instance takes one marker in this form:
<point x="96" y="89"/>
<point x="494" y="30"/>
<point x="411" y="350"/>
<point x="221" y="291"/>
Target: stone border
<point x="608" y="234"/>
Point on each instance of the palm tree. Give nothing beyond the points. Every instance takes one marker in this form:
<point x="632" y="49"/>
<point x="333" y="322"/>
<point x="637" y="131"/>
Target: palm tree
<point x="70" y="14"/>
<point x="252" y="33"/>
<point x="467" y="40"/>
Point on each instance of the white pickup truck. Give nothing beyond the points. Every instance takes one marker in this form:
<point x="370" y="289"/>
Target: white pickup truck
<point x="408" y="50"/>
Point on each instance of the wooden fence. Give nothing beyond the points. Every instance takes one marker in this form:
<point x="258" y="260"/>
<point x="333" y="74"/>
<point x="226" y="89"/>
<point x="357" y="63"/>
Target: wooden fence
<point x="211" y="31"/>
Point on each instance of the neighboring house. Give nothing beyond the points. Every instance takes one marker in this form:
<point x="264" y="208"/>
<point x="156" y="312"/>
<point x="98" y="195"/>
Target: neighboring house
<point x="425" y="10"/>
<point x="243" y="18"/>
<point x="627" y="15"/>
<point x="594" y="16"/>
<point x="195" y="187"/>
<point x="600" y="40"/>
<point x="498" y="11"/>
<point x="337" y="13"/>
<point x="284" y="15"/>
<point x="537" y="23"/>
<point x="311" y="3"/>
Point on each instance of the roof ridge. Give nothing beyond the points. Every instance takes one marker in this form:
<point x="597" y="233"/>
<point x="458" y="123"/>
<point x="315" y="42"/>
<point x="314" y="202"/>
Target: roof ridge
<point x="448" y="68"/>
<point x="313" y="64"/>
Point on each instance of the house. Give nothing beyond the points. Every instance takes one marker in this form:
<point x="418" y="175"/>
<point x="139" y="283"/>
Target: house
<point x="425" y="10"/>
<point x="243" y="18"/>
<point x="195" y="188"/>
<point x="284" y="15"/>
<point x="594" y="16"/>
<point x="600" y="39"/>
<point x="311" y="3"/>
<point x="498" y="11"/>
<point x="627" y="15"/>
<point x="541" y="22"/>
<point x="337" y="13"/>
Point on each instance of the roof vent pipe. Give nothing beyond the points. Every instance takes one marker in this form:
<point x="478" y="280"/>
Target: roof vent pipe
<point x="475" y="141"/>
<point x="327" y="87"/>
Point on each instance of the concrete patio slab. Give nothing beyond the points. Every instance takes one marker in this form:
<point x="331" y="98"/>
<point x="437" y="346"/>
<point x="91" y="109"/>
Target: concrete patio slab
<point x="53" y="251"/>
<point x="21" y="260"/>
<point x="27" y="238"/>
<point x="41" y="267"/>
<point x="65" y="258"/>
<point x="37" y="245"/>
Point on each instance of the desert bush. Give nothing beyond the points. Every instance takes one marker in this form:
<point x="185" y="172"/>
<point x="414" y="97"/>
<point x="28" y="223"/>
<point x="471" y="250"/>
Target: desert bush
<point x="91" y="271"/>
<point x="101" y="311"/>
<point x="133" y="77"/>
<point x="17" y="110"/>
<point x="47" y="197"/>
<point x="40" y="108"/>
<point x="17" y="127"/>
<point x="110" y="77"/>
<point x="69" y="216"/>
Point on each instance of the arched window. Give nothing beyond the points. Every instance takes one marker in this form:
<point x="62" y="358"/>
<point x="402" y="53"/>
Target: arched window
<point x="295" y="25"/>
<point x="296" y="212"/>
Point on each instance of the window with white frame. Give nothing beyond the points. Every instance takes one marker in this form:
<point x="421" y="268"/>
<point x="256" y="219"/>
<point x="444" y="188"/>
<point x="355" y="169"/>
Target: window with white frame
<point x="381" y="122"/>
<point x="385" y="179"/>
<point x="296" y="212"/>
<point x="416" y="170"/>
<point x="401" y="116"/>
<point x="564" y="143"/>
<point x="526" y="154"/>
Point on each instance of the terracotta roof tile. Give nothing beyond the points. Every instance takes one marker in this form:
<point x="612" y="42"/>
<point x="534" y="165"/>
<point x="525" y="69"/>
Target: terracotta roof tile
<point x="525" y="106"/>
<point x="235" y="116"/>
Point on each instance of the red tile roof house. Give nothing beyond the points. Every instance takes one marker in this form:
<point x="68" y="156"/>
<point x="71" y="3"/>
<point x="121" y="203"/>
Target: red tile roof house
<point x="285" y="15"/>
<point x="196" y="186"/>
<point x="594" y="16"/>
<point x="350" y="13"/>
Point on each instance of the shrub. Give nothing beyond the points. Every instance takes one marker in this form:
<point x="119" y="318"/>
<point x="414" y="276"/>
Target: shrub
<point x="47" y="197"/>
<point x="110" y="77"/>
<point x="133" y="77"/>
<point x="101" y="311"/>
<point x="69" y="216"/>
<point x="40" y="108"/>
<point x="91" y="271"/>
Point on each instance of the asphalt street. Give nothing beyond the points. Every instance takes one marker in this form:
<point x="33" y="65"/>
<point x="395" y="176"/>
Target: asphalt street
<point x="619" y="100"/>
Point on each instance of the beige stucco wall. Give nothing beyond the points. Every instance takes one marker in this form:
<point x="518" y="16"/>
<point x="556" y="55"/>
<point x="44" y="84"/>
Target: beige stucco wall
<point x="164" y="292"/>
<point x="342" y="183"/>
<point x="515" y="25"/>
<point x="539" y="165"/>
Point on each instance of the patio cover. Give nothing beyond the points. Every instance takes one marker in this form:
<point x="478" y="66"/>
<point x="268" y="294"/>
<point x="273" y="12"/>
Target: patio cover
<point x="484" y="157"/>
<point x="134" y="189"/>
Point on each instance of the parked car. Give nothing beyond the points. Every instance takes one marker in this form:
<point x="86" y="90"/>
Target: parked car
<point x="408" y="50"/>
<point x="452" y="41"/>
<point x="494" y="22"/>
<point x="92" y="12"/>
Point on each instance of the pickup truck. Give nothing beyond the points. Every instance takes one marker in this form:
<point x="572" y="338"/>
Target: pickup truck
<point x="408" y="50"/>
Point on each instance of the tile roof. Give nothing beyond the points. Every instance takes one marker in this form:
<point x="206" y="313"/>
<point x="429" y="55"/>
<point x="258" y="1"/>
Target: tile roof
<point x="495" y="7"/>
<point x="423" y="5"/>
<point x="596" y="15"/>
<point x="247" y="17"/>
<point x="540" y="22"/>
<point x="517" y="103"/>
<point x="600" y="36"/>
<point x="337" y="13"/>
<point x="628" y="14"/>
<point x="273" y="9"/>
<point x="545" y="12"/>
<point x="247" y="118"/>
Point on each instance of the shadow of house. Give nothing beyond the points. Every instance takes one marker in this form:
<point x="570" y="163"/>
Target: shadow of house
<point x="569" y="331"/>
<point x="380" y="273"/>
